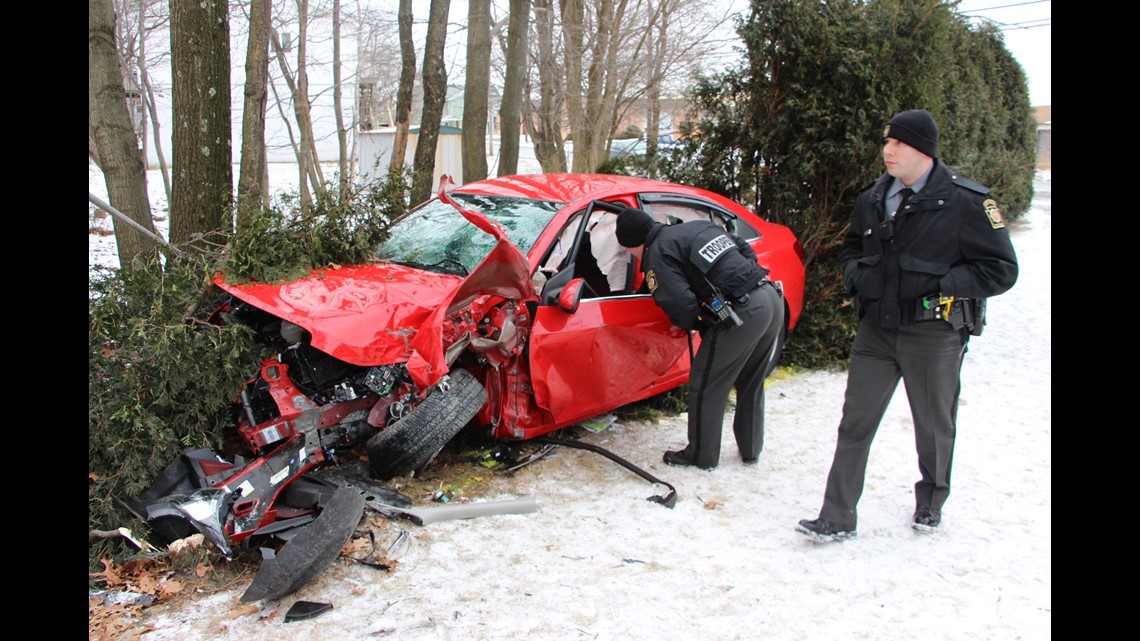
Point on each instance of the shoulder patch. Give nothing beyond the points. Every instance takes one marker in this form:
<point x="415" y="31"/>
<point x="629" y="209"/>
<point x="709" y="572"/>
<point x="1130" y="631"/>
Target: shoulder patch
<point x="651" y="280"/>
<point x="993" y="213"/>
<point x="962" y="181"/>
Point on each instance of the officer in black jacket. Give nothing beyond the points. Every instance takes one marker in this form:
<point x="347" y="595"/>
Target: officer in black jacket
<point x="705" y="278"/>
<point x="925" y="248"/>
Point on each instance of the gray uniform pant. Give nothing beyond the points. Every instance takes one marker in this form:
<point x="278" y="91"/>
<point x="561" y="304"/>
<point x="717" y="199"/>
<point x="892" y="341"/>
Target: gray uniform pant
<point x="928" y="357"/>
<point x="734" y="357"/>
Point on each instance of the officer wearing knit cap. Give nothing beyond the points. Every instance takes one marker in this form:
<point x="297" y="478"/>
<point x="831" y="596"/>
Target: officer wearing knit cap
<point x="924" y="250"/>
<point x="633" y="226"/>
<point x="686" y="265"/>
<point x="915" y="127"/>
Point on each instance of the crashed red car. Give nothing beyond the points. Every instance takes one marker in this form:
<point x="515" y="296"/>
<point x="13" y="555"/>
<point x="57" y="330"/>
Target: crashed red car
<point x="505" y="305"/>
<point x="496" y="298"/>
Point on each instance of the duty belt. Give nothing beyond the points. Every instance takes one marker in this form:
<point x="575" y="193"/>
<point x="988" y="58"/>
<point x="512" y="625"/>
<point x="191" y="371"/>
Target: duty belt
<point x="959" y="312"/>
<point x="743" y="299"/>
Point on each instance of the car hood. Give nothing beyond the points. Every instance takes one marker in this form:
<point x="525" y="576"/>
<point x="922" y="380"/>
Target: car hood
<point x="384" y="313"/>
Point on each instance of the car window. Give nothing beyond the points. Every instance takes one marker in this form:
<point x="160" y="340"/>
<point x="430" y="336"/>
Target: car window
<point x="437" y="237"/>
<point x="671" y="209"/>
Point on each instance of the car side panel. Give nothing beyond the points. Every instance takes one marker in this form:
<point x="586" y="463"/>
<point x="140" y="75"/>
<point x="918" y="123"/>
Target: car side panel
<point x="610" y="352"/>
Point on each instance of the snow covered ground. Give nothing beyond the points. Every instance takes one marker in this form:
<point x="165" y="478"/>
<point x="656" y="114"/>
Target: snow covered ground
<point x="598" y="561"/>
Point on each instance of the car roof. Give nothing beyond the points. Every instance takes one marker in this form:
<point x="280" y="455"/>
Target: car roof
<point x="566" y="187"/>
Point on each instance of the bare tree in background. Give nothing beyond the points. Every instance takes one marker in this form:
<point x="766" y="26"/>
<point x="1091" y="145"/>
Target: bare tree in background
<point x="377" y="68"/>
<point x="404" y="96"/>
<point x="112" y="136"/>
<point x="544" y="121"/>
<point x="604" y="56"/>
<point x="510" y="111"/>
<point x="435" y="94"/>
<point x="138" y="19"/>
<point x="310" y="178"/>
<point x="200" y="64"/>
<point x="476" y="90"/>
<point x="252" y="188"/>
<point x="658" y="44"/>
<point x="341" y="133"/>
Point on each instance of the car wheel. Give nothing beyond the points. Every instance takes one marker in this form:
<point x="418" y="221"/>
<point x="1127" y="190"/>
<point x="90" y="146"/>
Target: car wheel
<point x="413" y="441"/>
<point x="311" y="549"/>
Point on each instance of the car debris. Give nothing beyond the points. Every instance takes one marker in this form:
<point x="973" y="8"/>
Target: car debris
<point x="302" y="610"/>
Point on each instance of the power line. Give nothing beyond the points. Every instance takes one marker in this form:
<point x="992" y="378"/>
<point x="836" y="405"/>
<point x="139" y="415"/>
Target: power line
<point x="1004" y="6"/>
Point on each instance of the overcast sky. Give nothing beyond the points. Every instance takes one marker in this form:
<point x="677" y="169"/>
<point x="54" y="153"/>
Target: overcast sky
<point x="1027" y="26"/>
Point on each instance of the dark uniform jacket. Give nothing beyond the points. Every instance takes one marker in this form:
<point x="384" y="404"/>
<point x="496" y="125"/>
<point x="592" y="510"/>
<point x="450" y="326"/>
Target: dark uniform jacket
<point x="679" y="258"/>
<point x="949" y="238"/>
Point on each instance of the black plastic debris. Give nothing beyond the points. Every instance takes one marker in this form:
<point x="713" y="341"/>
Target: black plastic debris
<point x="302" y="610"/>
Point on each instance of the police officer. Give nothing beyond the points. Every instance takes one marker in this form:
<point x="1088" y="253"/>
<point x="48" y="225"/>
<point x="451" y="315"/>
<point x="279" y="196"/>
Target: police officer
<point x="707" y="279"/>
<point x="925" y="248"/>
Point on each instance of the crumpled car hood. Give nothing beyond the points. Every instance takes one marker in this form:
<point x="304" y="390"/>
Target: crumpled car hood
<point x="361" y="314"/>
<point x="384" y="313"/>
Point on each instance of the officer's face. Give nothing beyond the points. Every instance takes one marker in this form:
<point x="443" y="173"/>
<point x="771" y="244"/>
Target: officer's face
<point x="636" y="251"/>
<point x="903" y="161"/>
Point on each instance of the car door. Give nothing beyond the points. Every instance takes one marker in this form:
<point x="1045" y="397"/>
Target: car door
<point x="617" y="347"/>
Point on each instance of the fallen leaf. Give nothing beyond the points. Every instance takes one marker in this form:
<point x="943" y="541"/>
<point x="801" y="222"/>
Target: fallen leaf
<point x="242" y="611"/>
<point x="92" y="477"/>
<point x="112" y="578"/>
<point x="712" y="505"/>
<point x="173" y="586"/>
<point x="147" y="584"/>
<point x="201" y="570"/>
<point x="357" y="547"/>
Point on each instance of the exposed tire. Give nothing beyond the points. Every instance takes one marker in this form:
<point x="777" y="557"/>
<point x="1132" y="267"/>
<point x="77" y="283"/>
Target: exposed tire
<point x="311" y="550"/>
<point x="413" y="441"/>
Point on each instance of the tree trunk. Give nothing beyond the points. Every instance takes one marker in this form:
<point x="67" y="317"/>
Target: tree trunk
<point x="110" y="130"/>
<point x="573" y="15"/>
<point x="657" y="48"/>
<point x="307" y="162"/>
<point x="156" y="132"/>
<point x="435" y="94"/>
<point x="510" y="111"/>
<point x="251" y="189"/>
<point x="200" y="65"/>
<point x="476" y="90"/>
<point x="404" y="94"/>
<point x="341" y="133"/>
<point x="549" y="146"/>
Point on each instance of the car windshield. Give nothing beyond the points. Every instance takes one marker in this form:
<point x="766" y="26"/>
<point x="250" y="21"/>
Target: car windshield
<point x="438" y="238"/>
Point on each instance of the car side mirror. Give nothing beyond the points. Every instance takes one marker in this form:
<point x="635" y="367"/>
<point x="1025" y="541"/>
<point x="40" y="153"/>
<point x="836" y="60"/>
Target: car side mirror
<point x="571" y="295"/>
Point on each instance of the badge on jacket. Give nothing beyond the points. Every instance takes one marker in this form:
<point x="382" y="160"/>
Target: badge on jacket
<point x="651" y="280"/>
<point x="993" y="213"/>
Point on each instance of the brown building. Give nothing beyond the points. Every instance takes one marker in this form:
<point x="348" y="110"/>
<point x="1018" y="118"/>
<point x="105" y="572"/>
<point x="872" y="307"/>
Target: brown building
<point x="1044" y="137"/>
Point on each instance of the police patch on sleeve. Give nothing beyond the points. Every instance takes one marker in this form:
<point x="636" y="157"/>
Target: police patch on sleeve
<point x="993" y="213"/>
<point x="651" y="280"/>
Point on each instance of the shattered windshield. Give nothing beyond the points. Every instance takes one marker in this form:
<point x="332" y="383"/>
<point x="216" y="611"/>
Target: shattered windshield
<point x="438" y="238"/>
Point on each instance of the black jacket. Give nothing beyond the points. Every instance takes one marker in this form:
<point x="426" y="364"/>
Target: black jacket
<point x="680" y="262"/>
<point x="949" y="238"/>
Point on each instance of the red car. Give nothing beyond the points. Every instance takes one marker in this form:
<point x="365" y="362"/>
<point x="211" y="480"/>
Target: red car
<point x="506" y="304"/>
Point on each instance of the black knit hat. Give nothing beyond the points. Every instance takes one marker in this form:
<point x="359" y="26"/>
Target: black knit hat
<point x="915" y="127"/>
<point x="633" y="226"/>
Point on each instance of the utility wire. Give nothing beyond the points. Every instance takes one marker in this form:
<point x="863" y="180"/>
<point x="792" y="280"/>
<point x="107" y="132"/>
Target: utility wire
<point x="1004" y="6"/>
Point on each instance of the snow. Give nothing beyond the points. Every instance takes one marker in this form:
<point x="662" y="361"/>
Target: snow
<point x="598" y="561"/>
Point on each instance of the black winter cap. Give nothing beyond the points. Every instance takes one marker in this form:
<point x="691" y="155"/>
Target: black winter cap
<point x="915" y="127"/>
<point x="633" y="226"/>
